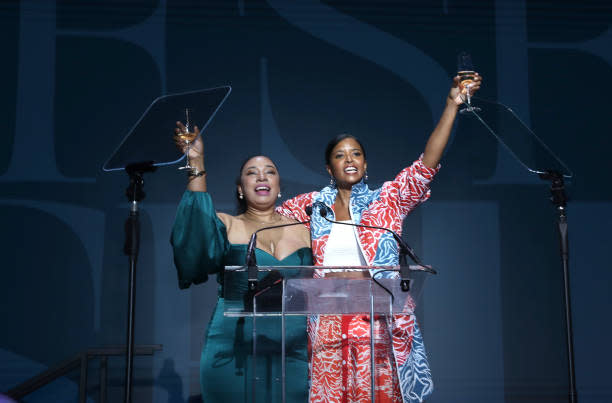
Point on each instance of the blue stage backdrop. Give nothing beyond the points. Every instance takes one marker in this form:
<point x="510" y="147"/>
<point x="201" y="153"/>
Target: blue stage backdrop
<point x="77" y="74"/>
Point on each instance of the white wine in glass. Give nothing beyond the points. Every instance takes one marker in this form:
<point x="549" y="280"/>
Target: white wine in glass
<point x="187" y="136"/>
<point x="465" y="71"/>
<point x="466" y="77"/>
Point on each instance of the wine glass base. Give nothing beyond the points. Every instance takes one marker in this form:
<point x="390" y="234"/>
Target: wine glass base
<point x="185" y="167"/>
<point x="469" y="109"/>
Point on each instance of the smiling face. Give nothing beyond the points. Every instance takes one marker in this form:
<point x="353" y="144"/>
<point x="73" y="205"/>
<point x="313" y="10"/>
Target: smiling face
<point x="259" y="182"/>
<point x="347" y="163"/>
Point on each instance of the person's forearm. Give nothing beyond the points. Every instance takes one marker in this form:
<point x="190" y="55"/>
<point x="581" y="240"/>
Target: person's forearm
<point x="197" y="183"/>
<point x="439" y="137"/>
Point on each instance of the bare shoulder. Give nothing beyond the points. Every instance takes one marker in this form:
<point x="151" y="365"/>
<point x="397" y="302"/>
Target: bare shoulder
<point x="226" y="219"/>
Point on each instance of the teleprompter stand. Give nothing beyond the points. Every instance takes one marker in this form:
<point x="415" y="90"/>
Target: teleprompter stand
<point x="559" y="199"/>
<point x="135" y="193"/>
<point x="537" y="158"/>
<point x="146" y="147"/>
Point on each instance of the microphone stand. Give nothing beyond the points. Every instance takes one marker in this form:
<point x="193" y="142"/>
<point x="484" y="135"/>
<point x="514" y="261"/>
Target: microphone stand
<point x="559" y="199"/>
<point x="404" y="270"/>
<point x="135" y="194"/>
<point x="404" y="248"/>
<point x="251" y="264"/>
<point x="251" y="258"/>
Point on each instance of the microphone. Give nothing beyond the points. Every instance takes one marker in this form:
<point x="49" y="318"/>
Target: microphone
<point x="404" y="248"/>
<point x="323" y="209"/>
<point x="251" y="259"/>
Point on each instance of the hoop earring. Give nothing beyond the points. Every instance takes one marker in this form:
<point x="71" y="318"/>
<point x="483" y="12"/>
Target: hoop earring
<point x="240" y="196"/>
<point x="332" y="181"/>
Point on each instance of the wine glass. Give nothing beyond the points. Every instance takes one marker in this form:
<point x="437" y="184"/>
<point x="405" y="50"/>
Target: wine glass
<point x="187" y="136"/>
<point x="465" y="71"/>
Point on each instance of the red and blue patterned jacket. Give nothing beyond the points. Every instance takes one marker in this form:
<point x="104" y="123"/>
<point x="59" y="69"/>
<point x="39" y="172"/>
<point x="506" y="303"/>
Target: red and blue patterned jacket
<point x="386" y="207"/>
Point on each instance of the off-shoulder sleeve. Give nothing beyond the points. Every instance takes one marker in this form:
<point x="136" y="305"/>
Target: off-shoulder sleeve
<point x="296" y="207"/>
<point x="412" y="184"/>
<point x="199" y="239"/>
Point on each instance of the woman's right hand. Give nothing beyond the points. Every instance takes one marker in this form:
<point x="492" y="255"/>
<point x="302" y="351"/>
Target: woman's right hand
<point x="458" y="92"/>
<point x="196" y="150"/>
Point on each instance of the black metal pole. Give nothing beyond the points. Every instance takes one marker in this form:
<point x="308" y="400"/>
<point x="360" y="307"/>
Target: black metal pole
<point x="559" y="199"/>
<point x="132" y="230"/>
<point x="573" y="397"/>
<point x="134" y="194"/>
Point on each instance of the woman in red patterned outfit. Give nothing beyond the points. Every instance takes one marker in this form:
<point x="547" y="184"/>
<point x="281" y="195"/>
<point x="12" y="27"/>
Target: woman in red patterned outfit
<point x="340" y="353"/>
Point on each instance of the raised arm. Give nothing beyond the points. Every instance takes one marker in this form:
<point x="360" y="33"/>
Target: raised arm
<point x="199" y="237"/>
<point x="439" y="137"/>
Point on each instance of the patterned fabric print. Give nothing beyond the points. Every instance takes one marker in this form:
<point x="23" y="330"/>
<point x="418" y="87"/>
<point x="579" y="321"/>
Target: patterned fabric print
<point x="326" y="359"/>
<point x="385" y="207"/>
<point x="414" y="374"/>
<point x="342" y="364"/>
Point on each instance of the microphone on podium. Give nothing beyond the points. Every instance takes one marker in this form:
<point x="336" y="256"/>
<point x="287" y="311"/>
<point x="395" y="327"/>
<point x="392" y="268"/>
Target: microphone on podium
<point x="404" y="248"/>
<point x="251" y="259"/>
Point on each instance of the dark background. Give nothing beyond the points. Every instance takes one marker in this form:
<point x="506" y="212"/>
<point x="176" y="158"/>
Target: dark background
<point x="76" y="75"/>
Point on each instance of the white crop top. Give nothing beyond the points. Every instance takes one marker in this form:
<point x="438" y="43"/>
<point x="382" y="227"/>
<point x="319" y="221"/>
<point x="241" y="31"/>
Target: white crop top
<point x="342" y="247"/>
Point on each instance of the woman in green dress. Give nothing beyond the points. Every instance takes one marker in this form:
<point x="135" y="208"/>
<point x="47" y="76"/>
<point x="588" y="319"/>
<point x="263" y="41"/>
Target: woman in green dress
<point x="204" y="241"/>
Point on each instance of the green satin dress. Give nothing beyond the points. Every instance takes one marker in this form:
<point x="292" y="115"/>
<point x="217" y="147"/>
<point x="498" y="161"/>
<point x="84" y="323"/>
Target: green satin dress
<point x="200" y="244"/>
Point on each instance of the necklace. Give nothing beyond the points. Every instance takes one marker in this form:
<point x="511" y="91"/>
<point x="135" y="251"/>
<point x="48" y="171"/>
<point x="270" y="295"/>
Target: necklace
<point x="246" y="217"/>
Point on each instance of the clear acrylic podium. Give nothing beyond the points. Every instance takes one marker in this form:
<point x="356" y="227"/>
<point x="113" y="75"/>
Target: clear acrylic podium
<point x="301" y="291"/>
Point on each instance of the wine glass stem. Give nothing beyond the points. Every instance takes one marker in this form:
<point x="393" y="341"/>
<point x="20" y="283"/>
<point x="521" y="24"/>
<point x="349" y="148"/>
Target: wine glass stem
<point x="187" y="153"/>
<point x="469" y="96"/>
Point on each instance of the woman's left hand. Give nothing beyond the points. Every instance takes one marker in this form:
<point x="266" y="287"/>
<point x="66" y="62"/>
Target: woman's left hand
<point x="458" y="92"/>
